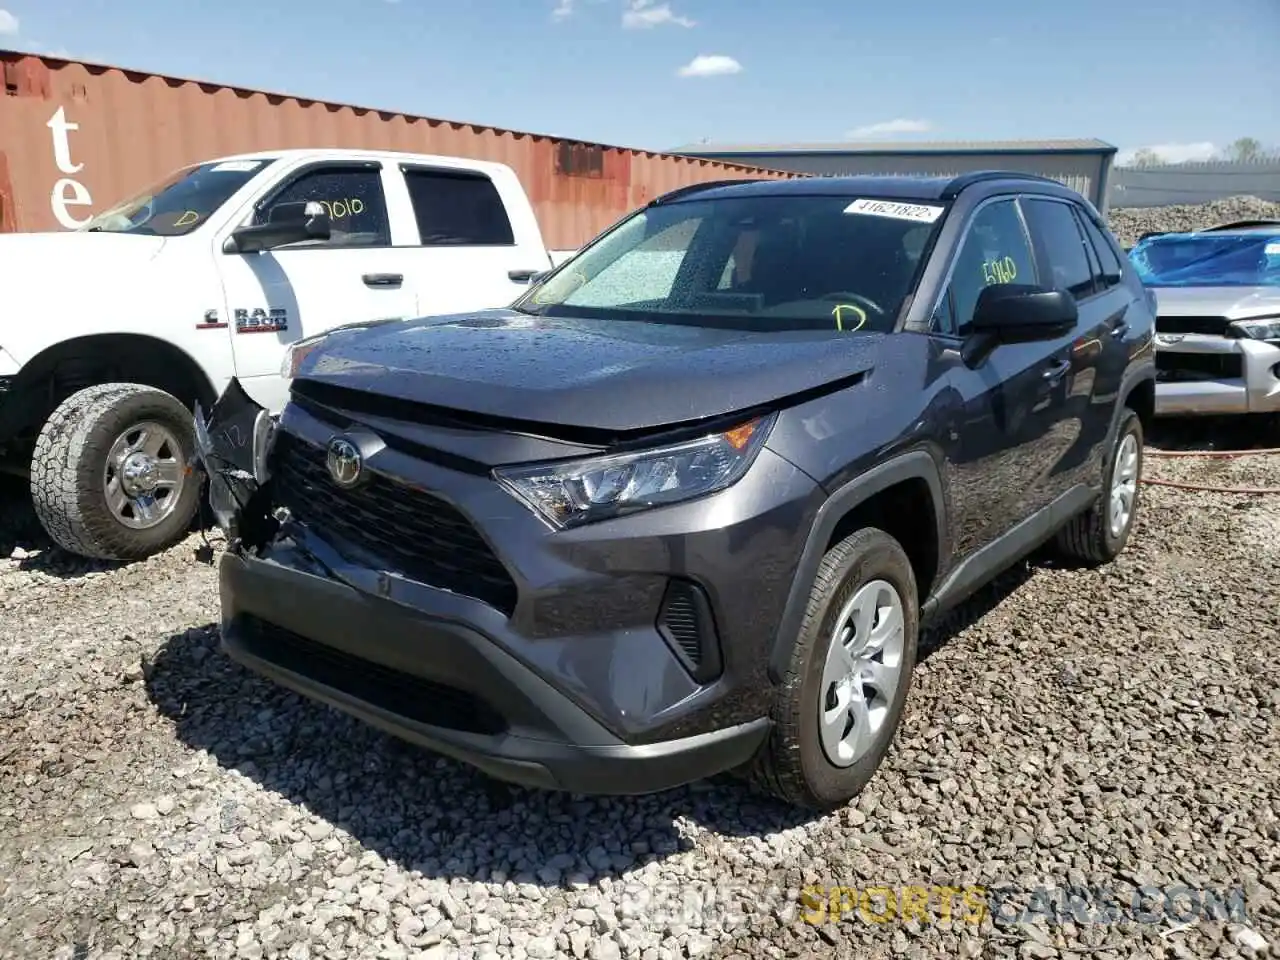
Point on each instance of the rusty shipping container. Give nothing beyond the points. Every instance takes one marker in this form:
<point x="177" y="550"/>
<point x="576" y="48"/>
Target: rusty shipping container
<point x="76" y="137"/>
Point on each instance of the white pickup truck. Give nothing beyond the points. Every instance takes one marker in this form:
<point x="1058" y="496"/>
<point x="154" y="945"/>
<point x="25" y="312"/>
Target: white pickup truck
<point x="110" y="334"/>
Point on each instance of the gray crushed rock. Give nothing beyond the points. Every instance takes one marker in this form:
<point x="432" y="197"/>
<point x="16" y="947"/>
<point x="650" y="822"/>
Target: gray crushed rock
<point x="1130" y="223"/>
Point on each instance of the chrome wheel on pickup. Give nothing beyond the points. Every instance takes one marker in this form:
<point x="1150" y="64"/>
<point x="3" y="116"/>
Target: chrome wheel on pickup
<point x="110" y="476"/>
<point x="144" y="475"/>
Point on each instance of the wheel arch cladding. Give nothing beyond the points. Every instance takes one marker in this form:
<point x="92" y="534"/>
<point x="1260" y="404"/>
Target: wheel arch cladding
<point x="70" y="365"/>
<point x="868" y="500"/>
<point x="1140" y="397"/>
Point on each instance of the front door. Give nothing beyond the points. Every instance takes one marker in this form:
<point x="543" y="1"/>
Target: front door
<point x="279" y="296"/>
<point x="1006" y="411"/>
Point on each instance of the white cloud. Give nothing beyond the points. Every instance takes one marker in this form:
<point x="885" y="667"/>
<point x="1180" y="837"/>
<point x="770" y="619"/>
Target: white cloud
<point x="563" y="9"/>
<point x="1172" y="152"/>
<point x="710" y="65"/>
<point x="890" y="128"/>
<point x="643" y="14"/>
<point x="8" y="23"/>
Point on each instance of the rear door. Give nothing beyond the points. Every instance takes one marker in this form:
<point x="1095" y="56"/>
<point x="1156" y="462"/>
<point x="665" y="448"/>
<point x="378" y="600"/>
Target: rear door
<point x="278" y="296"/>
<point x="1069" y="261"/>
<point x="1007" y="405"/>
<point x="465" y="251"/>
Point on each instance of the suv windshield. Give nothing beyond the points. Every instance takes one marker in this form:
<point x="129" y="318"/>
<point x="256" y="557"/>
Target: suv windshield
<point x="1225" y="260"/>
<point x="766" y="263"/>
<point x="180" y="203"/>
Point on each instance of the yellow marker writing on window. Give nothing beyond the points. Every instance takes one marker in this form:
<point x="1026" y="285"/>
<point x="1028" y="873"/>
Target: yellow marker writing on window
<point x="841" y="311"/>
<point x="1000" y="271"/>
<point x="187" y="219"/>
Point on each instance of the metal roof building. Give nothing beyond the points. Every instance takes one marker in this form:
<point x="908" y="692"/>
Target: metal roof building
<point x="1083" y="165"/>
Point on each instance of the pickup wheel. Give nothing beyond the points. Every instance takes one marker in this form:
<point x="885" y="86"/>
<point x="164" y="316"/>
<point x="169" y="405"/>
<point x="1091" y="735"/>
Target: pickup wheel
<point x="840" y="703"/>
<point x="1097" y="536"/>
<point x="110" y="476"/>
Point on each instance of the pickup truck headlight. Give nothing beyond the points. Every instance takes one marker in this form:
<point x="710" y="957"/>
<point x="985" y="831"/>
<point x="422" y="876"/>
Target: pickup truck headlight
<point x="1264" y="328"/>
<point x="569" y="494"/>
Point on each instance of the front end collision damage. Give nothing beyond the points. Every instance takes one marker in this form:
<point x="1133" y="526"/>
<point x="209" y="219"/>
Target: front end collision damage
<point x="233" y="445"/>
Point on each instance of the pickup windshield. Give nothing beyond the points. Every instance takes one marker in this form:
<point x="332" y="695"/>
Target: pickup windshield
<point x="1219" y="260"/>
<point x="763" y="263"/>
<point x="180" y="203"/>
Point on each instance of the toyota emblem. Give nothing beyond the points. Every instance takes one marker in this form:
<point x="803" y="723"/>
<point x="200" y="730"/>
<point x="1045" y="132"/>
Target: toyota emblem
<point x="345" y="463"/>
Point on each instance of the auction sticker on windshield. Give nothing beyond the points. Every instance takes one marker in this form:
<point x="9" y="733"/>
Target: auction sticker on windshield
<point x="237" y="166"/>
<point x="919" y="212"/>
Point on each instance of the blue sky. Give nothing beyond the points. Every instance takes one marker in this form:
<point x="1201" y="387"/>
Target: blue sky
<point x="1183" y="75"/>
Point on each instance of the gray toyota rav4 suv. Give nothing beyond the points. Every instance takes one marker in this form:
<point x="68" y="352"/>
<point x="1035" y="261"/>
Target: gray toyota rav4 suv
<point x="685" y="506"/>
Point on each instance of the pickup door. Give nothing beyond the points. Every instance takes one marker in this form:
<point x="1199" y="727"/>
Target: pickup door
<point x="408" y="240"/>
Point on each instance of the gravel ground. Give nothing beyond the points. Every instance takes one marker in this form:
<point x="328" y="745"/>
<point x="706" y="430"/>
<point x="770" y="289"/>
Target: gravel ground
<point x="1129" y="223"/>
<point x="1105" y="729"/>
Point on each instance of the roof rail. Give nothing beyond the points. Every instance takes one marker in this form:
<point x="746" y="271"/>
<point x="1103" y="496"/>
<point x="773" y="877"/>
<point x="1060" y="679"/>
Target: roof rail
<point x="696" y="187"/>
<point x="966" y="180"/>
<point x="1243" y="224"/>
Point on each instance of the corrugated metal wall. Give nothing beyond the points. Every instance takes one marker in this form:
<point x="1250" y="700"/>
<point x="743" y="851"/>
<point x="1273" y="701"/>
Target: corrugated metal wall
<point x="1083" y="172"/>
<point x="1194" y="183"/>
<point x="80" y="130"/>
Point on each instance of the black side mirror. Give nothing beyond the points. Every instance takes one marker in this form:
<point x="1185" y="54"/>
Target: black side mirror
<point x="288" y="223"/>
<point x="1015" y="312"/>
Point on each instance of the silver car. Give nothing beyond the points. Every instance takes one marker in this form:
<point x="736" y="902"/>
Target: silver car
<point x="1218" y="317"/>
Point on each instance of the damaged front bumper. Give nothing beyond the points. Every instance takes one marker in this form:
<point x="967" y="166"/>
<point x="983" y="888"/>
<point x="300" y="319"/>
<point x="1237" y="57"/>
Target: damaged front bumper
<point x="435" y="668"/>
<point x="233" y="446"/>
<point x="1205" y="374"/>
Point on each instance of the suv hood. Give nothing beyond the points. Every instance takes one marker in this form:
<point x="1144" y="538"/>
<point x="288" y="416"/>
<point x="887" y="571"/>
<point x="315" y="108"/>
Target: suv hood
<point x="615" y="376"/>
<point x="1235" y="303"/>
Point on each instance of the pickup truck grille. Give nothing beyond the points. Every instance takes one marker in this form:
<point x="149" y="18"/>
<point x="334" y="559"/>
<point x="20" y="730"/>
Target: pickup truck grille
<point x="1213" y="326"/>
<point x="418" y="535"/>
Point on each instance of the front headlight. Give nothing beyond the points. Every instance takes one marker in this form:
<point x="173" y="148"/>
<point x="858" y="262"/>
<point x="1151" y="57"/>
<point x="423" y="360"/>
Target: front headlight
<point x="568" y="494"/>
<point x="1264" y="328"/>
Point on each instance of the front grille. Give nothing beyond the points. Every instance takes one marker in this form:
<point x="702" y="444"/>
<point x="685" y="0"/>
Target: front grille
<point x="1172" y="367"/>
<point x="1213" y="326"/>
<point x="419" y="535"/>
<point x="423" y="701"/>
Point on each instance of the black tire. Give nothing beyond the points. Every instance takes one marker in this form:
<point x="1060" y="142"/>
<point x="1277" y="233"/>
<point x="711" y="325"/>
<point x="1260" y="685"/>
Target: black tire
<point x="69" y="463"/>
<point x="792" y="764"/>
<point x="1087" y="539"/>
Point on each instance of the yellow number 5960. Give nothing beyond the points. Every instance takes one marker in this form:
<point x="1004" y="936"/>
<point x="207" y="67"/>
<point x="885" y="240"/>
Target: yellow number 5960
<point x="999" y="271"/>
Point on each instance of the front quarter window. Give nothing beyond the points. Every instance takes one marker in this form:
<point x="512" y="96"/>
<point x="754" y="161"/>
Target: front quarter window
<point x="180" y="203"/>
<point x="767" y="263"/>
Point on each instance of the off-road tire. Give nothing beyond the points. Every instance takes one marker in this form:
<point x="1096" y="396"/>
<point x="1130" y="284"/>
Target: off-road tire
<point x="791" y="765"/>
<point x="68" y="463"/>
<point x="1087" y="538"/>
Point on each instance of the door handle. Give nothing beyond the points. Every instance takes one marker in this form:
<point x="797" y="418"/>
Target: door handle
<point x="1057" y="370"/>
<point x="383" y="279"/>
<point x="1119" y="327"/>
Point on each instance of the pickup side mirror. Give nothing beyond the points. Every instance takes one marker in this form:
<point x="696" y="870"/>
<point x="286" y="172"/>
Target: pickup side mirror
<point x="1018" y="313"/>
<point x="289" y="223"/>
